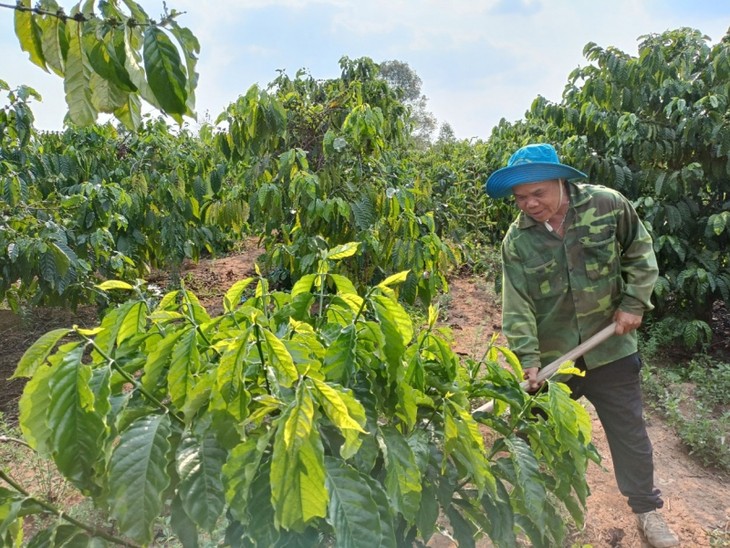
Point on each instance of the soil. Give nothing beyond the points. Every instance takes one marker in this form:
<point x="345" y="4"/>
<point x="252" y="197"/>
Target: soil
<point x="697" y="499"/>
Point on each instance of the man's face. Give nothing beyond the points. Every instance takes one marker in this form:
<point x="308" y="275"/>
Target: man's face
<point x="540" y="200"/>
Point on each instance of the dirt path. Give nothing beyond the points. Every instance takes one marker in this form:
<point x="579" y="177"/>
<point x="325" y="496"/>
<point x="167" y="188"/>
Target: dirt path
<point x="697" y="500"/>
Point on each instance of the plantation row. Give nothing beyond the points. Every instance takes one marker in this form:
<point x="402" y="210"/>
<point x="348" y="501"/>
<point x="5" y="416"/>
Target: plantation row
<point x="311" y="164"/>
<point x="314" y="409"/>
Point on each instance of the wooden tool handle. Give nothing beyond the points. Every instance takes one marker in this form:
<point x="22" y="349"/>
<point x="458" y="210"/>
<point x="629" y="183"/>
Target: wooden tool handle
<point x="553" y="366"/>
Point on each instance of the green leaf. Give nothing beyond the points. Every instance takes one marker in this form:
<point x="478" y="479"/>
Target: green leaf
<point x="240" y="470"/>
<point x="76" y="84"/>
<point x="718" y="222"/>
<point x="133" y="322"/>
<point x="303" y="284"/>
<point x="104" y="60"/>
<point x="233" y="296"/>
<point x="184" y="364"/>
<point x="138" y="475"/>
<point x="184" y="528"/>
<point x="33" y="408"/>
<point x="397" y="329"/>
<point x="512" y="360"/>
<point x="297" y="467"/>
<point x="77" y="429"/>
<point x="112" y="323"/>
<point x="407" y="406"/>
<point x="428" y="512"/>
<point x="164" y="72"/>
<point x="11" y="503"/>
<point x="191" y="48"/>
<point x="29" y="34"/>
<point x="464" y="443"/>
<point x="403" y="478"/>
<point x="500" y="518"/>
<point x="136" y="72"/>
<point x="136" y="10"/>
<point x="464" y="530"/>
<point x="389" y="310"/>
<point x="13" y="190"/>
<point x="38" y="352"/>
<point x="352" y="512"/>
<point x="199" y="466"/>
<point x="339" y="363"/>
<point x="529" y="485"/>
<point x="158" y="359"/>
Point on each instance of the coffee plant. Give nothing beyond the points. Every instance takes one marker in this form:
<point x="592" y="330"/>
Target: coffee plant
<point x="317" y="416"/>
<point x="323" y="163"/>
<point x="100" y="202"/>
<point x="112" y="59"/>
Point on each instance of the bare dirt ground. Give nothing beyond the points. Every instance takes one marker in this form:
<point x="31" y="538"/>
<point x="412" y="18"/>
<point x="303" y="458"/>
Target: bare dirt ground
<point x="697" y="500"/>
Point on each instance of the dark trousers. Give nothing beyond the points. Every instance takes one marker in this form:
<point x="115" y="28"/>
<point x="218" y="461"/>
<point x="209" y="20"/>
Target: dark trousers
<point x="614" y="390"/>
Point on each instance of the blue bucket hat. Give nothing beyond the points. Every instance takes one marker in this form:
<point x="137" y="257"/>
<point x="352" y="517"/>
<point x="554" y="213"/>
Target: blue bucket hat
<point x="530" y="164"/>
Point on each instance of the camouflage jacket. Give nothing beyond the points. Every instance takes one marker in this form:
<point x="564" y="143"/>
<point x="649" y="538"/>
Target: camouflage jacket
<point x="557" y="291"/>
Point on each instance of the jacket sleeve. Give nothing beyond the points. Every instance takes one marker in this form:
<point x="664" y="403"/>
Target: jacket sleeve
<point x="638" y="261"/>
<point x="518" y="313"/>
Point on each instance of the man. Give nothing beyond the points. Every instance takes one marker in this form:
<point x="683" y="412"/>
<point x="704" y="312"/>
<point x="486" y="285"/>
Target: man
<point x="577" y="258"/>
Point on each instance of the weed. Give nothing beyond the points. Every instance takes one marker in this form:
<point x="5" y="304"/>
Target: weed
<point x="714" y="380"/>
<point x="693" y="400"/>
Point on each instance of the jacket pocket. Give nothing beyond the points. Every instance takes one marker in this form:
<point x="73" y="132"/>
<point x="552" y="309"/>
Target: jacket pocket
<point x="545" y="279"/>
<point x="600" y="257"/>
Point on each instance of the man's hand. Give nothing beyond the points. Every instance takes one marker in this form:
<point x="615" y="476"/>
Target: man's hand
<point x="626" y="322"/>
<point x="530" y="375"/>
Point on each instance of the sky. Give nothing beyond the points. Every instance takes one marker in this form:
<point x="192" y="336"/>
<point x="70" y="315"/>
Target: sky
<point x="479" y="60"/>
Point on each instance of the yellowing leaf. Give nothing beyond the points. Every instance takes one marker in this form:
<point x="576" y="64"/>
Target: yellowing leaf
<point x="298" y="491"/>
<point x="76" y="85"/>
<point x="280" y="360"/>
<point x="342" y="251"/>
<point x="333" y="403"/>
<point x="29" y="34"/>
<point x="88" y="332"/>
<point x="568" y="368"/>
<point x="353" y="300"/>
<point x="398" y="278"/>
<point x="114" y="284"/>
<point x="433" y="314"/>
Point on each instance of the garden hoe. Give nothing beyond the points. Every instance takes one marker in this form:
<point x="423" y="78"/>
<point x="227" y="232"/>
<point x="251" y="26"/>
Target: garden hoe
<point x="547" y="371"/>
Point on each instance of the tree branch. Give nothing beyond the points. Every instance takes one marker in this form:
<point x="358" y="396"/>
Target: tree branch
<point x="81" y="18"/>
